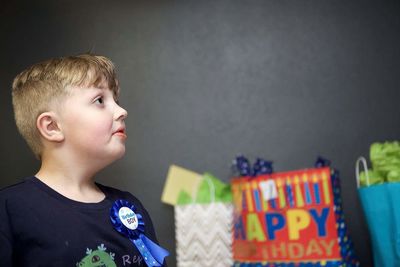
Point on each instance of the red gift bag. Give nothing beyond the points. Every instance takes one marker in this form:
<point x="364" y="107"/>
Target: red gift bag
<point x="290" y="219"/>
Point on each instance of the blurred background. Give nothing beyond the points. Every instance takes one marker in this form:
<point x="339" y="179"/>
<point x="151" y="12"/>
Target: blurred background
<point x="205" y="80"/>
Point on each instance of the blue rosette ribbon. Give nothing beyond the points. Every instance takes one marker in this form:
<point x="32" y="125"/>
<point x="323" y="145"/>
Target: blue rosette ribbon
<point x="130" y="224"/>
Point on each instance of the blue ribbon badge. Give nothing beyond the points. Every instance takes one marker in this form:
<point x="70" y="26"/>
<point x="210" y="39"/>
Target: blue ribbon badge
<point x="130" y="224"/>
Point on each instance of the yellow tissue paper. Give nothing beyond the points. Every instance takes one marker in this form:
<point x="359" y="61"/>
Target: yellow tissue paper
<point x="180" y="179"/>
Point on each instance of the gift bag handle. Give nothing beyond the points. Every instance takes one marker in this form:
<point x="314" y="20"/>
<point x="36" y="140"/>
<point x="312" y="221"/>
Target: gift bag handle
<point x="363" y="161"/>
<point x="212" y="190"/>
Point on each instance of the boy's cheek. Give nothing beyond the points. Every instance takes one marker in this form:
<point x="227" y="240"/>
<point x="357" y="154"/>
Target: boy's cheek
<point x="99" y="128"/>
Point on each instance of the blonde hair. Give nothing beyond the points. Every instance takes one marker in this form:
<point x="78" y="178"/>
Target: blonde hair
<point x="39" y="86"/>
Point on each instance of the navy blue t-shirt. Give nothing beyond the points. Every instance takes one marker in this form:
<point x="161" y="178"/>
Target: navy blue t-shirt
<point x="40" y="227"/>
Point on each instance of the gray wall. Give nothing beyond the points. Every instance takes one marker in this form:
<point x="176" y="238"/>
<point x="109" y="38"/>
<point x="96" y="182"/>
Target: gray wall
<point x="205" y="80"/>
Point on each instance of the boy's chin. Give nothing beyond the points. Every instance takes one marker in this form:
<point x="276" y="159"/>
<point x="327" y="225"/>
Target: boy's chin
<point x="114" y="157"/>
<point x="120" y="154"/>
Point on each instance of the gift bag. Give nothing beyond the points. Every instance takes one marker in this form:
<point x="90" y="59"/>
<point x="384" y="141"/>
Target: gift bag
<point x="380" y="202"/>
<point x="290" y="218"/>
<point x="203" y="227"/>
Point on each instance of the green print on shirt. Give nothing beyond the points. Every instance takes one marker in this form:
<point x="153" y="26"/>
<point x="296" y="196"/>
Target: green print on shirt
<point x="97" y="258"/>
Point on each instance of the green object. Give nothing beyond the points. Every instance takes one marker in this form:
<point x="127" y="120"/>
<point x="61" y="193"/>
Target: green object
<point x="385" y="159"/>
<point x="222" y="191"/>
<point x="209" y="186"/>
<point x="393" y="176"/>
<point x="184" y="198"/>
<point x="374" y="178"/>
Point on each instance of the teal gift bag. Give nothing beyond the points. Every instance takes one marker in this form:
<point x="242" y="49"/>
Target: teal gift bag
<point x="381" y="204"/>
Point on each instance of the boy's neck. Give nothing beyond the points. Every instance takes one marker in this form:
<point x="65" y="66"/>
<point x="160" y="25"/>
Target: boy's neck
<point x="70" y="181"/>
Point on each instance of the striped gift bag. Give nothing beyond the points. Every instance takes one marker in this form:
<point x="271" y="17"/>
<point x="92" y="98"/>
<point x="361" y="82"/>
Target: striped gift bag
<point x="204" y="234"/>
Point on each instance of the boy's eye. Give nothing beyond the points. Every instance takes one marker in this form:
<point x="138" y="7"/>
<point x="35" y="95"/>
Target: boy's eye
<point x="99" y="100"/>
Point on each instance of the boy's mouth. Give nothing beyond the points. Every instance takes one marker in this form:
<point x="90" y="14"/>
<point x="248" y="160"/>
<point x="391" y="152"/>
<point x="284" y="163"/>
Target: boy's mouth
<point x="120" y="132"/>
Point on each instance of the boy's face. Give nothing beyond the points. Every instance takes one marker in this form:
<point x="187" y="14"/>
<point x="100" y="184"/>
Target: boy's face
<point x="93" y="124"/>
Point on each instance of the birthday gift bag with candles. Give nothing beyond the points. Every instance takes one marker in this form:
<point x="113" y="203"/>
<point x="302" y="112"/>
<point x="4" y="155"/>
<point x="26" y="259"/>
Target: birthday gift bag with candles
<point x="289" y="218"/>
<point x="203" y="225"/>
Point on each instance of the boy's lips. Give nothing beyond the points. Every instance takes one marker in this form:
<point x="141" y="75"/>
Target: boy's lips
<point x="120" y="132"/>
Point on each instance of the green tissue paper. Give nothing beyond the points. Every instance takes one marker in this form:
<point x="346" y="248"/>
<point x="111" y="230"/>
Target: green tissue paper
<point x="375" y="178"/>
<point x="385" y="159"/>
<point x="184" y="198"/>
<point x="222" y="192"/>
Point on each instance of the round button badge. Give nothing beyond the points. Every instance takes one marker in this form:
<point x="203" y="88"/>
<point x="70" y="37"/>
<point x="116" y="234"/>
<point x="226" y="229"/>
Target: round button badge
<point x="128" y="218"/>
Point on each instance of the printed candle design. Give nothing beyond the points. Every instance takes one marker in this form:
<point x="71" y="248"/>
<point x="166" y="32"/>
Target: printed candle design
<point x="264" y="199"/>
<point x="325" y="187"/>
<point x="281" y="193"/>
<point x="307" y="189"/>
<point x="249" y="198"/>
<point x="256" y="193"/>
<point x="316" y="189"/>
<point x="299" y="195"/>
<point x="289" y="192"/>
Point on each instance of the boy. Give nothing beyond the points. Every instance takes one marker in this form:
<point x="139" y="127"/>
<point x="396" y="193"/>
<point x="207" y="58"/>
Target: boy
<point x="67" y="110"/>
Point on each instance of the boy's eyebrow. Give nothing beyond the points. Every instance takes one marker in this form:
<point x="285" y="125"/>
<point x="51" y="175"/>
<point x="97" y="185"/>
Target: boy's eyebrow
<point x="116" y="98"/>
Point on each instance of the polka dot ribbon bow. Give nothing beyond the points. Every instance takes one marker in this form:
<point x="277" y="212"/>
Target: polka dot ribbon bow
<point x="241" y="166"/>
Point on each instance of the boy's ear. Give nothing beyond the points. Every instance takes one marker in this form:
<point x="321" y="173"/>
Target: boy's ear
<point x="48" y="127"/>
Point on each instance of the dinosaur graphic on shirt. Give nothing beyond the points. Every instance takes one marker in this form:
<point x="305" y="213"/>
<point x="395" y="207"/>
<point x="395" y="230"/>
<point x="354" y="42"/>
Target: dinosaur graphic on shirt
<point x="97" y="258"/>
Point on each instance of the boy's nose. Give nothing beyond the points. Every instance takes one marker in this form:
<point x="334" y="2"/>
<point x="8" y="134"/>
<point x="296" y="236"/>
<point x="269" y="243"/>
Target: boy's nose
<point x="121" y="113"/>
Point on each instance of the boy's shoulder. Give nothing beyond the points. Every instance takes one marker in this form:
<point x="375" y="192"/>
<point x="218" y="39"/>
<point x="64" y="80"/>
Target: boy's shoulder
<point x="31" y="191"/>
<point x="15" y="189"/>
<point x="15" y="195"/>
<point x="114" y="193"/>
